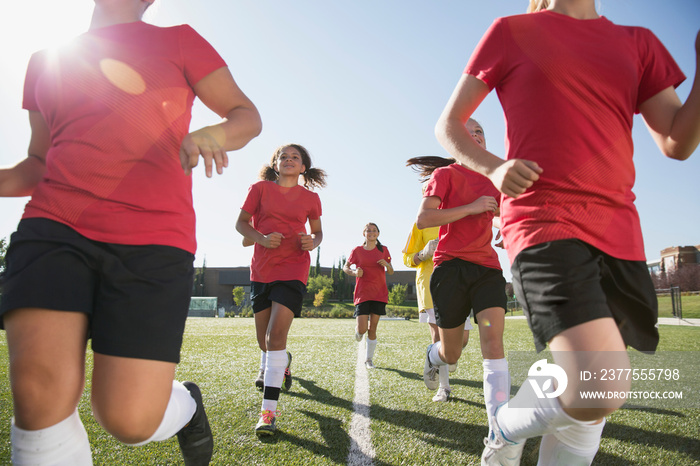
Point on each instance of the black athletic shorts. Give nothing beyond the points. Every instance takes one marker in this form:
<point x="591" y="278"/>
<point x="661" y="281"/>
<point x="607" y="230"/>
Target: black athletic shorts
<point x="565" y="283"/>
<point x="458" y="286"/>
<point x="366" y="308"/>
<point x="136" y="297"/>
<point x="287" y="293"/>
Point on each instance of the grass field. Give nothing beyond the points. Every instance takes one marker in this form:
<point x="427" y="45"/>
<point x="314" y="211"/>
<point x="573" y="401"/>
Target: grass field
<point x="407" y="428"/>
<point x="690" y="306"/>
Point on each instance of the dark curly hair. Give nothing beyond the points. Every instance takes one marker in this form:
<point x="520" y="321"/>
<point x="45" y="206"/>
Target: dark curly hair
<point x="313" y="177"/>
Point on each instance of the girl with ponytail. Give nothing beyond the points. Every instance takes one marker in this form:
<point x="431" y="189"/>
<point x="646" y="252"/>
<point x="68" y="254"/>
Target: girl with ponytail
<point x="274" y="217"/>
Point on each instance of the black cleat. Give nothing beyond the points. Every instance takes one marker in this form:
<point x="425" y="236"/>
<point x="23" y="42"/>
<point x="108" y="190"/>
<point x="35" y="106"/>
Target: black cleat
<point x="196" y="440"/>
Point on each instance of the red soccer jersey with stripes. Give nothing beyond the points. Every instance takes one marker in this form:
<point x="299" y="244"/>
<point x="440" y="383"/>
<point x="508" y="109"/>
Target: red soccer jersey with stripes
<point x="117" y="101"/>
<point x="569" y="89"/>
<point x="468" y="238"/>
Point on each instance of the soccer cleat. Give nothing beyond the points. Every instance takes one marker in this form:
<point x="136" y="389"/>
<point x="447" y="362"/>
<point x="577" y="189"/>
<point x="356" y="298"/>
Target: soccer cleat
<point x="442" y="394"/>
<point x="452" y="367"/>
<point x="266" y="424"/>
<point x="287" y="381"/>
<point x="369" y="364"/>
<point x="430" y="372"/>
<point x="500" y="451"/>
<point x="358" y="337"/>
<point x="195" y="439"/>
<point x="260" y="381"/>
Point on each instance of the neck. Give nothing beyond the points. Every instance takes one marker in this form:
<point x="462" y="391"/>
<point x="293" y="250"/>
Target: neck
<point x="577" y="9"/>
<point x="287" y="181"/>
<point x="110" y="14"/>
<point x="370" y="244"/>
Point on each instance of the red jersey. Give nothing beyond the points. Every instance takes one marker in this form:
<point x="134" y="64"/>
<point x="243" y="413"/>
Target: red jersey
<point x="372" y="285"/>
<point x="284" y="210"/>
<point x="468" y="238"/>
<point x="569" y="89"/>
<point x="117" y="101"/>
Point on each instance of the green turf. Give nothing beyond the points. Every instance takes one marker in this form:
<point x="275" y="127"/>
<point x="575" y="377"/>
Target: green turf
<point x="690" y="306"/>
<point x="221" y="355"/>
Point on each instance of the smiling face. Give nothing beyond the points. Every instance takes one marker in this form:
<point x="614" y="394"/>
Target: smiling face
<point x="371" y="232"/>
<point x="289" y="162"/>
<point x="477" y="132"/>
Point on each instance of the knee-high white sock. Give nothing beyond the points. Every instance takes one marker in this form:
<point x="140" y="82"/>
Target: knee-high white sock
<point x="63" y="444"/>
<point x="496" y="386"/>
<point x="444" y="377"/>
<point x="526" y="415"/>
<point x="434" y="354"/>
<point x="181" y="407"/>
<point x="274" y="375"/>
<point x="371" y="345"/>
<point x="263" y="360"/>
<point x="575" y="445"/>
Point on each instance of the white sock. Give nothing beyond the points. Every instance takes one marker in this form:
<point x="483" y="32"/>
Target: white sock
<point x="444" y="377"/>
<point x="526" y="416"/>
<point x="263" y="360"/>
<point x="181" y="407"/>
<point x="371" y="345"/>
<point x="274" y="375"/>
<point x="496" y="386"/>
<point x="63" y="444"/>
<point x="575" y="445"/>
<point x="434" y="354"/>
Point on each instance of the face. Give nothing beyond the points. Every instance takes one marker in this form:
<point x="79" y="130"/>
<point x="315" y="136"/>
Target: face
<point x="477" y="132"/>
<point x="371" y="232"/>
<point x="289" y="162"/>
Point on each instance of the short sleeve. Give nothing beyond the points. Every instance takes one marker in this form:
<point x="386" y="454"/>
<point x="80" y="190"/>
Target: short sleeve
<point x="659" y="69"/>
<point x="438" y="184"/>
<point x="199" y="57"/>
<point x="486" y="62"/>
<point x="252" y="200"/>
<point x="316" y="210"/>
<point x="387" y="255"/>
<point x="352" y="259"/>
<point x="34" y="70"/>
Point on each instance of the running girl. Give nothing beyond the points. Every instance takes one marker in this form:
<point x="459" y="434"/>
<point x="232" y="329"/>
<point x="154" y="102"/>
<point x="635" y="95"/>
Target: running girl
<point x="371" y="260"/>
<point x="105" y="247"/>
<point x="570" y="226"/>
<point x="418" y="254"/>
<point x="274" y="217"/>
<point x="467" y="275"/>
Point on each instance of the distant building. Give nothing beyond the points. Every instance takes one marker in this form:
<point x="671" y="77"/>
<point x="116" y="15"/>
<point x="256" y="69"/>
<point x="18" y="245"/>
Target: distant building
<point x="674" y="258"/>
<point x="219" y="282"/>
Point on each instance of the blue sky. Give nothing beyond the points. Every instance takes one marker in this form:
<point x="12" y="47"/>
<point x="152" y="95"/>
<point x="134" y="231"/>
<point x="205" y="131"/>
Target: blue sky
<point x="361" y="85"/>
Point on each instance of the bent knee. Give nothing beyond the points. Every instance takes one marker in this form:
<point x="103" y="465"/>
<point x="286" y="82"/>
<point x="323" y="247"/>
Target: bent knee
<point x="126" y="424"/>
<point x="451" y="357"/>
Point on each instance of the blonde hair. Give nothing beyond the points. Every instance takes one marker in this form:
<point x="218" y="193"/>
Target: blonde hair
<point x="537" y="5"/>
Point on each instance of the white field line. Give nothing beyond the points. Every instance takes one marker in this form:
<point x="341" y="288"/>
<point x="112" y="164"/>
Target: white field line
<point x="361" y="449"/>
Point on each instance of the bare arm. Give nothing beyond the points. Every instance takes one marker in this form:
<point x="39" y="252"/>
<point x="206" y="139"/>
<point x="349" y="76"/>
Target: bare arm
<point x="21" y="179"/>
<point x="313" y="239"/>
<point x="674" y="126"/>
<point x="512" y="177"/>
<point x="387" y="265"/>
<point x="243" y="226"/>
<point x="220" y="93"/>
<point x="430" y="215"/>
<point x="353" y="273"/>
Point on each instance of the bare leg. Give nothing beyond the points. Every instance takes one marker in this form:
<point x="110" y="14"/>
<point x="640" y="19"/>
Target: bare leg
<point x="47" y="364"/>
<point x="129" y="395"/>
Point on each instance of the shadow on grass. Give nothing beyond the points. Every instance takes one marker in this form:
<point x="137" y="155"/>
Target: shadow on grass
<point x="687" y="445"/>
<point x="320" y="395"/>
<point x="461" y="436"/>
